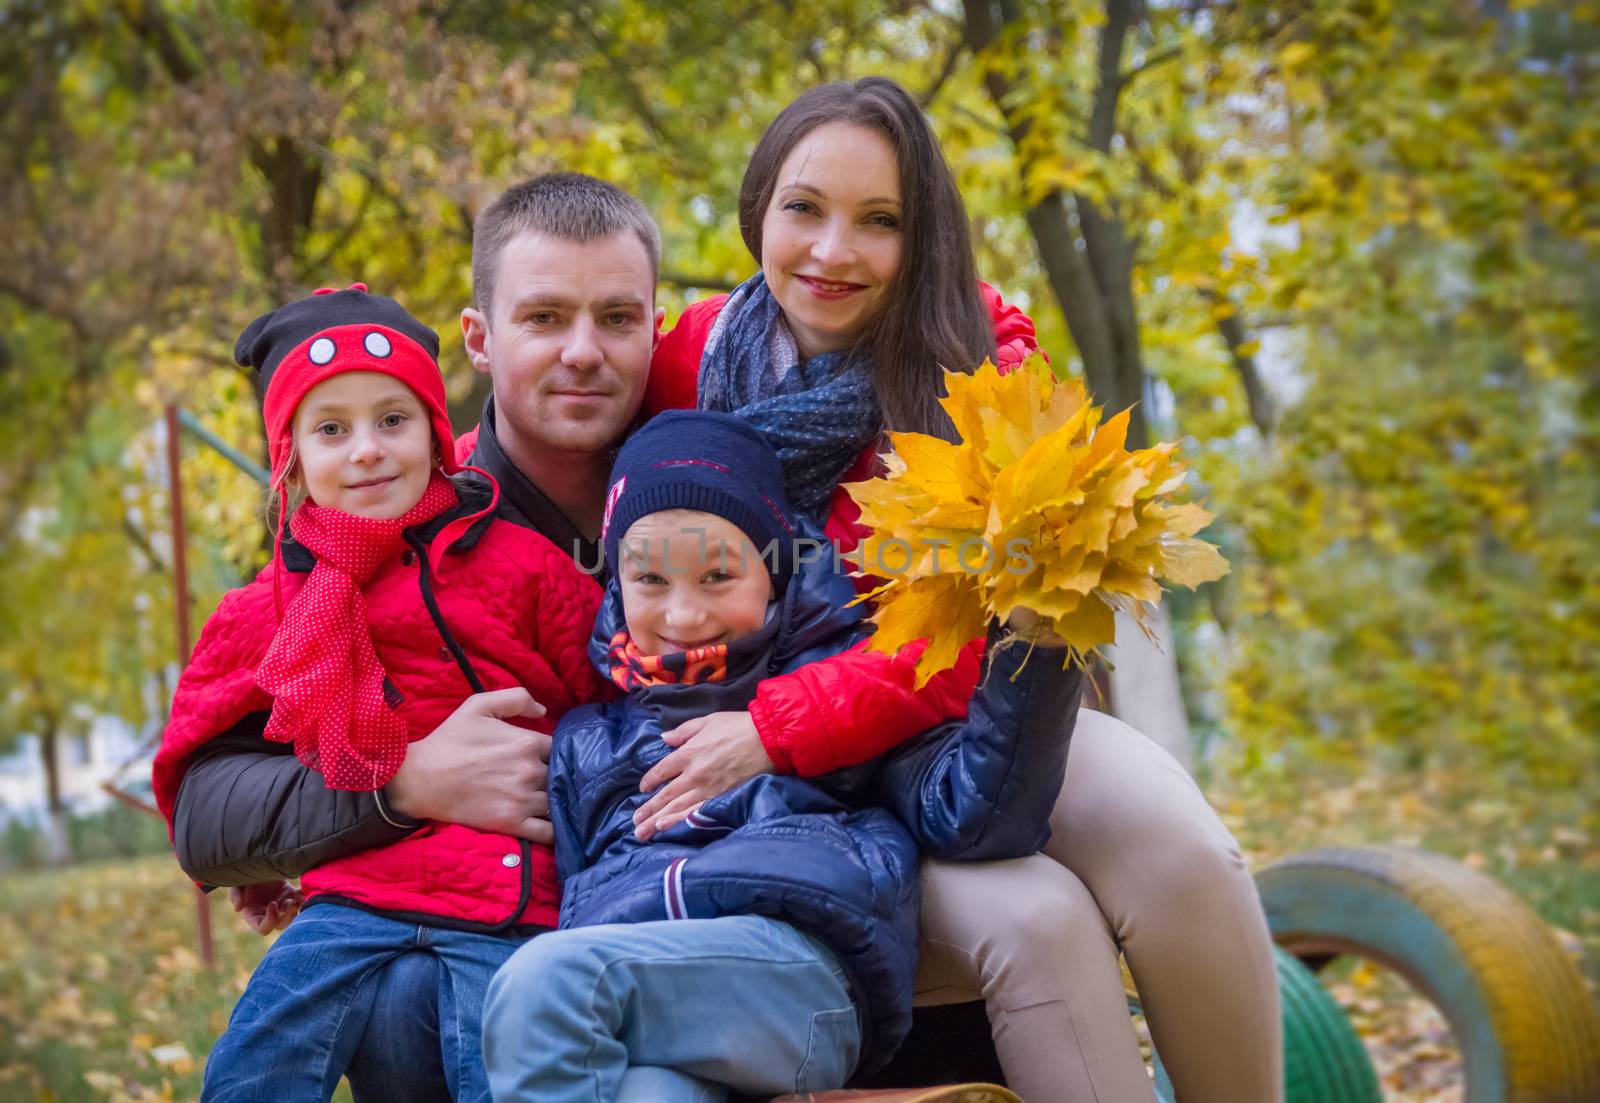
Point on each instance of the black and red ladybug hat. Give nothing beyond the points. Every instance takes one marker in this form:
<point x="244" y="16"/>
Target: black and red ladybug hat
<point x="313" y="339"/>
<point x="307" y="341"/>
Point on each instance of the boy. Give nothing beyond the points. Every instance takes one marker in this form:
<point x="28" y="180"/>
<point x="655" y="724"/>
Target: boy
<point x="767" y="942"/>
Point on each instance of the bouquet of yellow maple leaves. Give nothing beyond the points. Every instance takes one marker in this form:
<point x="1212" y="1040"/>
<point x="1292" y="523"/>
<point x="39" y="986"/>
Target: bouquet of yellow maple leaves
<point x="1039" y="506"/>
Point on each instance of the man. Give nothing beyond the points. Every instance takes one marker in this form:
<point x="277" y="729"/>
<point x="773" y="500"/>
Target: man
<point x="564" y="323"/>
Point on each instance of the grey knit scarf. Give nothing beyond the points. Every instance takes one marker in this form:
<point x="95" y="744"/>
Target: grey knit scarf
<point x="818" y="414"/>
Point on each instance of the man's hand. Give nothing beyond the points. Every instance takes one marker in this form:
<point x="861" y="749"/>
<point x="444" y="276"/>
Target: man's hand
<point x="714" y="754"/>
<point x="477" y="770"/>
<point x="267" y="906"/>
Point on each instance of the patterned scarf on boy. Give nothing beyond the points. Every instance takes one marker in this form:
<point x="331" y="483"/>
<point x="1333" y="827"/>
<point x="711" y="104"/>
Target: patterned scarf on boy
<point x="632" y="669"/>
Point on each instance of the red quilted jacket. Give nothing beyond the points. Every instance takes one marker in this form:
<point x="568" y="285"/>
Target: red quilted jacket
<point x="853" y="707"/>
<point x="513" y="609"/>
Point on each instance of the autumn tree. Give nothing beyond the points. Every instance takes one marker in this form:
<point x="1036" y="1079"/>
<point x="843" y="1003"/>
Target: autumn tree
<point x="175" y="171"/>
<point x="1345" y="249"/>
<point x="1421" y="583"/>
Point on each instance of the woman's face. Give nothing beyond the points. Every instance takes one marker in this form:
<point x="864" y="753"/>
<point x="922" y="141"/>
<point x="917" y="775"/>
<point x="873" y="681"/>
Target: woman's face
<point x="830" y="240"/>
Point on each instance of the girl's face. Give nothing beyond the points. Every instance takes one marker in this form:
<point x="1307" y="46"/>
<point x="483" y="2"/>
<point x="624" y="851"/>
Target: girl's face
<point x="830" y="240"/>
<point x="690" y="579"/>
<point x="363" y="445"/>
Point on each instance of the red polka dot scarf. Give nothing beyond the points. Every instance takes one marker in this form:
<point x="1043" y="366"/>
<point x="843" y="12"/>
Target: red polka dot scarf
<point x="321" y="669"/>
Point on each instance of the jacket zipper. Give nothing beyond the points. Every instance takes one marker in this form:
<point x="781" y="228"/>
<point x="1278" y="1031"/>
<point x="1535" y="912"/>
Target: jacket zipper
<point x="425" y="583"/>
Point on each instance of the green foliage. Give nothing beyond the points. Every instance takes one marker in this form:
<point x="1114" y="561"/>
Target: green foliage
<point x="1423" y="575"/>
<point x="114" y="833"/>
<point x="1421" y="523"/>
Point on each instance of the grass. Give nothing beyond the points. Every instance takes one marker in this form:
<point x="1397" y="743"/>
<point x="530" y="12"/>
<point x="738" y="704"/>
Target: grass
<point x="103" y="996"/>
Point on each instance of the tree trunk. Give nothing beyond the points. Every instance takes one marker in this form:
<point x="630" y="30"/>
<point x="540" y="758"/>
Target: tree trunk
<point x="1088" y="259"/>
<point x="1145" y="690"/>
<point x="293" y="176"/>
<point x="1085" y="250"/>
<point x="58" y="843"/>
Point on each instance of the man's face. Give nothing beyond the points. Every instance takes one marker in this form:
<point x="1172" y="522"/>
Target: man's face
<point x="568" y="347"/>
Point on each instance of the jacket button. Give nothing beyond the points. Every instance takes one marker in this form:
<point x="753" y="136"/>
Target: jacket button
<point x="408" y="557"/>
<point x="511" y="861"/>
<point x="444" y="653"/>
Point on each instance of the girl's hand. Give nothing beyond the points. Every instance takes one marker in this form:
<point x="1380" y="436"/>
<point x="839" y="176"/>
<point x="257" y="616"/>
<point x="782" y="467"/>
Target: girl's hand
<point x="268" y="906"/>
<point x="714" y="754"/>
<point x="1030" y="626"/>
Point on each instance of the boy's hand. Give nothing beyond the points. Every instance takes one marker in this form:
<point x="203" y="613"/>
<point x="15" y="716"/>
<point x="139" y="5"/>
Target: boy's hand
<point x="477" y="770"/>
<point x="267" y="906"/>
<point x="714" y="754"/>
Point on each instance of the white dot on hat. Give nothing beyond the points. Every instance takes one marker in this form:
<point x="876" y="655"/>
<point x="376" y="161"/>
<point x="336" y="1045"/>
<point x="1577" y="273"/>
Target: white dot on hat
<point x="377" y="344"/>
<point x="322" y="350"/>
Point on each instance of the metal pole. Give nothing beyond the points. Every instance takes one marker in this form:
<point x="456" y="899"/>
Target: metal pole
<point x="180" y="612"/>
<point x="224" y="449"/>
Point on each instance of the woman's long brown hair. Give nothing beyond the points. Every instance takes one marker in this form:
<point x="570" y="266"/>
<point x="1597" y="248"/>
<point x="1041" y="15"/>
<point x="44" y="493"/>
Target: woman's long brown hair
<point x="932" y="317"/>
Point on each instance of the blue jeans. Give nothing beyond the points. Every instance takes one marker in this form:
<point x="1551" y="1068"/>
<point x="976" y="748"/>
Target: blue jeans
<point x="678" y="1011"/>
<point x="399" y="1058"/>
<point x="304" y="1013"/>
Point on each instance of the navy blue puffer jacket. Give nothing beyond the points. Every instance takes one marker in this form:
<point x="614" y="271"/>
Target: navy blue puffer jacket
<point x="835" y="856"/>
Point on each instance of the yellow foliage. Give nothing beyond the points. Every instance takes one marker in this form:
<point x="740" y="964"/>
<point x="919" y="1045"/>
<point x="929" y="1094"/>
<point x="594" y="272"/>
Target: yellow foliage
<point x="1040" y="506"/>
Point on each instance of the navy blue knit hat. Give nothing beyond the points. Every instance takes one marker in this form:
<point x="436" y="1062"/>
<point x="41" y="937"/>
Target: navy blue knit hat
<point x="713" y="462"/>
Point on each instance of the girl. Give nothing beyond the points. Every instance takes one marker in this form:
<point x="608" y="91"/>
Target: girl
<point x="766" y="943"/>
<point x="867" y="292"/>
<point x="393" y="596"/>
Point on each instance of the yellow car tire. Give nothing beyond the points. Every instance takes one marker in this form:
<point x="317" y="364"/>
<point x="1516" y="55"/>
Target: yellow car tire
<point x="1515" y="1000"/>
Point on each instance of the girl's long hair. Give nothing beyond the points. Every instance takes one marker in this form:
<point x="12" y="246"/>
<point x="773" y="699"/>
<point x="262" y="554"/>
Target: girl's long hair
<point x="932" y="317"/>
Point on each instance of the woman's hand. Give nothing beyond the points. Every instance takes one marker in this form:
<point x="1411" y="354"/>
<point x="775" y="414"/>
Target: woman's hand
<point x="1030" y="626"/>
<point x="268" y="906"/>
<point x="714" y="754"/>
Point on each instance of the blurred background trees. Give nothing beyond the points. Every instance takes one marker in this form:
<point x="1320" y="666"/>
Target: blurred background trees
<point x="1346" y="248"/>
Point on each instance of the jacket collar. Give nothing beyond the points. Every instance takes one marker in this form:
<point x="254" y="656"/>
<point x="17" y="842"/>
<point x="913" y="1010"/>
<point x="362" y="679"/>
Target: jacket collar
<point x="528" y="504"/>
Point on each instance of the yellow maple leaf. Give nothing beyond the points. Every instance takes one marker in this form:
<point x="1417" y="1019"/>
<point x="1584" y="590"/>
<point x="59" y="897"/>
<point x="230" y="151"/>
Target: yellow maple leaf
<point x="1191" y="562"/>
<point x="908" y="608"/>
<point x="1044" y="476"/>
<point x="1040" y="505"/>
<point x="966" y="399"/>
<point x="1086" y="627"/>
<point x="933" y="461"/>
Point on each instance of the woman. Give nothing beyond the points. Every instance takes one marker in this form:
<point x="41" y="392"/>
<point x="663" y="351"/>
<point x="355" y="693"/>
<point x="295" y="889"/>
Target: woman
<point x="867" y="292"/>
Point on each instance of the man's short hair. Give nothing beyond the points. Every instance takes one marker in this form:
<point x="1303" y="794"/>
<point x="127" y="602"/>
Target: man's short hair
<point x="566" y="205"/>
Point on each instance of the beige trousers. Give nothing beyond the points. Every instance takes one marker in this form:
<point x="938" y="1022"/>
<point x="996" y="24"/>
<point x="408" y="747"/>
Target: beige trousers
<point x="1136" y="858"/>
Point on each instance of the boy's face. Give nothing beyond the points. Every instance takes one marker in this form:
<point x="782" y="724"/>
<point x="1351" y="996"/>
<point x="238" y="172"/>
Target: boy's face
<point x="363" y="445"/>
<point x="690" y="579"/>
